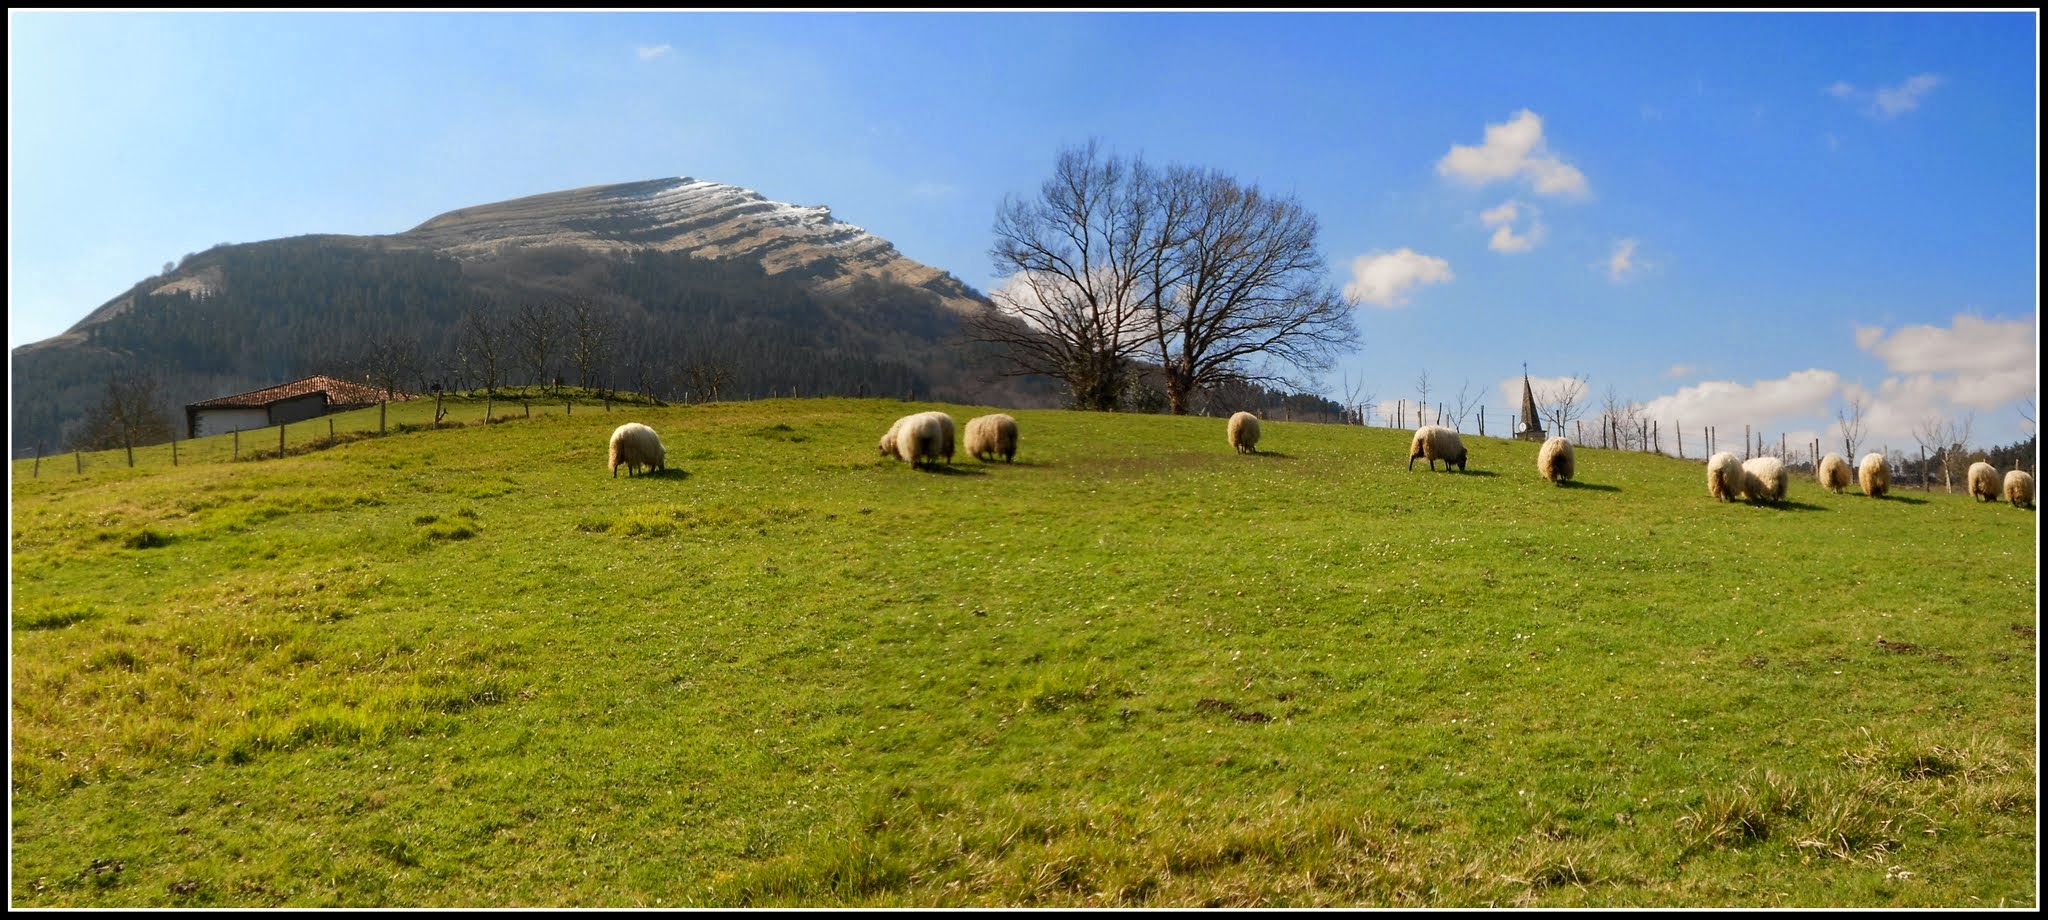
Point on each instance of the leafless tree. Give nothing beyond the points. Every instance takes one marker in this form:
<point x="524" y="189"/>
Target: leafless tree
<point x="1232" y="274"/>
<point x="1850" y="419"/>
<point x="533" y="330"/>
<point x="1949" y="440"/>
<point x="708" y="377"/>
<point x="1560" y="402"/>
<point x="1075" y="256"/>
<point x="387" y="361"/>
<point x="130" y="412"/>
<point x="1422" y="398"/>
<point x="1358" y="398"/>
<point x="484" y="347"/>
<point x="592" y="330"/>
<point x="1931" y="434"/>
<point x="1467" y="400"/>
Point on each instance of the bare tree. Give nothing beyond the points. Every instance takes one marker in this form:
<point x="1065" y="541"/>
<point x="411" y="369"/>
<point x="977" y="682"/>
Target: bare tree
<point x="1232" y="274"/>
<point x="533" y="329"/>
<point x="1931" y="433"/>
<point x="1422" y="397"/>
<point x="592" y="330"/>
<point x="1955" y="457"/>
<point x="1358" y="399"/>
<point x="1850" y="419"/>
<point x="708" y="377"/>
<point x="484" y="347"/>
<point x="385" y="361"/>
<point x="1463" y="407"/>
<point x="130" y="412"/>
<point x="1560" y="402"/>
<point x="1075" y="256"/>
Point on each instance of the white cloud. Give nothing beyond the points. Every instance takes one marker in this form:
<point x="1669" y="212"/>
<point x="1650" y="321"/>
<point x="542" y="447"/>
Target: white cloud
<point x="1514" y="149"/>
<point x="1502" y="220"/>
<point x="1889" y="101"/>
<point x="1728" y="405"/>
<point x="929" y="189"/>
<point x="1384" y="278"/>
<point x="1622" y="261"/>
<point x="1905" y="97"/>
<point x="1679" y="370"/>
<point x="649" y="53"/>
<point x="1971" y="345"/>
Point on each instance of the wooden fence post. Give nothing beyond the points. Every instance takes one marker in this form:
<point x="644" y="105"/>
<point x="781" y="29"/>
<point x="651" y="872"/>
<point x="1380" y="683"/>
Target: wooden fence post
<point x="1745" y="442"/>
<point x="380" y="416"/>
<point x="280" y="440"/>
<point x="1482" y="421"/>
<point x="37" y="470"/>
<point x="238" y="443"/>
<point x="78" y="462"/>
<point x="174" y="448"/>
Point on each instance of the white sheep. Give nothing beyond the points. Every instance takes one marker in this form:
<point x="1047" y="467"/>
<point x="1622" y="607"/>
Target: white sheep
<point x="988" y="436"/>
<point x="1244" y="433"/>
<point x="1554" y="461"/>
<point x="1985" y="484"/>
<point x="2019" y="488"/>
<point x="1833" y="473"/>
<point x="1763" y="479"/>
<point x="1724" y="477"/>
<point x="922" y="437"/>
<point x="888" y="444"/>
<point x="1873" y="475"/>
<point x="636" y="445"/>
<point x="1435" y="442"/>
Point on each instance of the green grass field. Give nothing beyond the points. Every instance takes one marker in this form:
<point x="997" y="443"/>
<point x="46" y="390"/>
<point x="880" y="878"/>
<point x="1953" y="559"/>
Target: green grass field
<point x="467" y="667"/>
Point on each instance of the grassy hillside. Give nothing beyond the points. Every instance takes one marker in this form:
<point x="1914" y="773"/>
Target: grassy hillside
<point x="469" y="668"/>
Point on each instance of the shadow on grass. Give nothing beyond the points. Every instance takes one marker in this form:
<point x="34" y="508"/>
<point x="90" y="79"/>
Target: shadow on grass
<point x="1486" y="473"/>
<point x="1788" y="506"/>
<point x="951" y="470"/>
<point x="1588" y="486"/>
<point x="1273" y="454"/>
<point x="1902" y="499"/>
<point x="665" y="473"/>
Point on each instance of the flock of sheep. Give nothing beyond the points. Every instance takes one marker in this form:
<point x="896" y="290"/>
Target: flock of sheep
<point x="926" y="438"/>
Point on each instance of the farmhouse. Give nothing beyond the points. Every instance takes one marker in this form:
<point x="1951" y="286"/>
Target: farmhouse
<point x="307" y="397"/>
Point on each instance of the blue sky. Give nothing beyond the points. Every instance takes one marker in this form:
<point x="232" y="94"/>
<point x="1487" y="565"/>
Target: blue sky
<point x="1730" y="218"/>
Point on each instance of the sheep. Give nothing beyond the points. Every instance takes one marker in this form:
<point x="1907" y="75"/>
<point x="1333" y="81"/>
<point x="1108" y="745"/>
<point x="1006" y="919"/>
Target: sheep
<point x="1985" y="485"/>
<point x="1435" y="442"/>
<point x="1554" y="461"/>
<point x="2019" y="488"/>
<point x="1833" y="473"/>
<point x="636" y="445"/>
<point x="990" y="435"/>
<point x="1763" y="479"/>
<point x="1724" y="477"/>
<point x="888" y="444"/>
<point x="922" y="437"/>
<point x="1873" y="475"/>
<point x="1243" y="432"/>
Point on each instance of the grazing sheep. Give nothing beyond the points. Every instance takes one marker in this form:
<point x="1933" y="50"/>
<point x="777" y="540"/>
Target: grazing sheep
<point x="1724" y="477"/>
<point x="636" y="445"/>
<point x="1984" y="482"/>
<point x="1244" y="433"/>
<point x="922" y="437"/>
<point x="1833" y="473"/>
<point x="1435" y="442"/>
<point x="1763" y="479"/>
<point x="1873" y="475"/>
<point x="2019" y="488"/>
<point x="888" y="444"/>
<point x="991" y="435"/>
<point x="1554" y="461"/>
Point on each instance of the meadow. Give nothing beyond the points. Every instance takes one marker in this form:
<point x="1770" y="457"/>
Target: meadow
<point x="467" y="667"/>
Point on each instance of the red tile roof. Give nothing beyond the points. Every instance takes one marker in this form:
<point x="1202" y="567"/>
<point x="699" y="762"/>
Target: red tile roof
<point x="339" y="393"/>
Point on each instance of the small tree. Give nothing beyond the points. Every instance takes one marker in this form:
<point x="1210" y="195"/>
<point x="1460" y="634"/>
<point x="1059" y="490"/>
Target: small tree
<point x="131" y="412"/>
<point x="592" y="330"/>
<point x="1850" y="420"/>
<point x="533" y="330"/>
<point x="1560" y="402"/>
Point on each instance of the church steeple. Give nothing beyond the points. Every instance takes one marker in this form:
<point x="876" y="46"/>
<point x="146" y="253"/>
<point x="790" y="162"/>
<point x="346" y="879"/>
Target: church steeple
<point x="1532" y="426"/>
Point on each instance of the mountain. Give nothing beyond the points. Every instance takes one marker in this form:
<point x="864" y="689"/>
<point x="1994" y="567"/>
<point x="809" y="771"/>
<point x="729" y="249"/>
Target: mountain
<point x="694" y="281"/>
